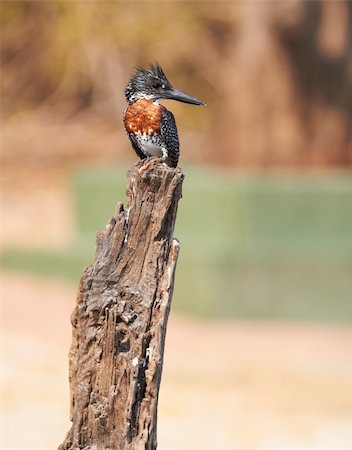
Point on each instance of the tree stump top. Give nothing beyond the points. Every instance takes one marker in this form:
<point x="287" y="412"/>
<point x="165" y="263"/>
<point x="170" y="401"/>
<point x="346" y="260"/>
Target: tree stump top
<point x="120" y="319"/>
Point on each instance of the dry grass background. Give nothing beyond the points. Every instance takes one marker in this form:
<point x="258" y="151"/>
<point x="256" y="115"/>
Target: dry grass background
<point x="276" y="74"/>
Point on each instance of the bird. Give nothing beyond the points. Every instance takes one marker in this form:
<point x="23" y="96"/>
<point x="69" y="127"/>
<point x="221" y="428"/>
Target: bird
<point x="151" y="127"/>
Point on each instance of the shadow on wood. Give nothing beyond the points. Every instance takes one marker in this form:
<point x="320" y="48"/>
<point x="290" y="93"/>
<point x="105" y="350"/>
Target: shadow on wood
<point x="120" y="319"/>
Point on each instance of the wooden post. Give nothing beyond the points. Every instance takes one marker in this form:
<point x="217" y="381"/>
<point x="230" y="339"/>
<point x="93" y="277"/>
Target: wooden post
<point x="119" y="322"/>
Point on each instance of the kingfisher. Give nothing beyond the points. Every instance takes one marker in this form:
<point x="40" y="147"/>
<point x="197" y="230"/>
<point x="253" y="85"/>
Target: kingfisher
<point x="151" y="128"/>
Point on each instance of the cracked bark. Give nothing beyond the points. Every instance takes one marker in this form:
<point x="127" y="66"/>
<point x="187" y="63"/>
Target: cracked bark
<point x="119" y="322"/>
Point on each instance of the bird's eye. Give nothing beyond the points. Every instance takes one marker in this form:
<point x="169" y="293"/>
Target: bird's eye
<point x="163" y="86"/>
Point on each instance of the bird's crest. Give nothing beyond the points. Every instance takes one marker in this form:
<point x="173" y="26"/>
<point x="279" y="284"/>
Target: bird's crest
<point x="146" y="83"/>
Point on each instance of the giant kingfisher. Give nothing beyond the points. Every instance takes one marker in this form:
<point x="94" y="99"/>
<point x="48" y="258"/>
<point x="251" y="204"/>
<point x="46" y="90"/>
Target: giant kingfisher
<point x="150" y="126"/>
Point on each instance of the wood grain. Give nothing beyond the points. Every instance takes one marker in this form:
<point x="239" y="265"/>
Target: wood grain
<point x="119" y="322"/>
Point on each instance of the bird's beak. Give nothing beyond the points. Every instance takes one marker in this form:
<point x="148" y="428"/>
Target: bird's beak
<point x="174" y="94"/>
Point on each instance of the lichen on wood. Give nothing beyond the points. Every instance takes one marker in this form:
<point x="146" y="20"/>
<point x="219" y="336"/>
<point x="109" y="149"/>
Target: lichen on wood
<point x="119" y="322"/>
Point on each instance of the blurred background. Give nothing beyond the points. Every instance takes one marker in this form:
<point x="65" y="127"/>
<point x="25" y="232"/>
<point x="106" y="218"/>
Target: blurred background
<point x="259" y="350"/>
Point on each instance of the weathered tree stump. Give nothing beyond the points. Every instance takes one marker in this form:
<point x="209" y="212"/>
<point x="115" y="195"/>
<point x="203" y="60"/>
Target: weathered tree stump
<point x="119" y="322"/>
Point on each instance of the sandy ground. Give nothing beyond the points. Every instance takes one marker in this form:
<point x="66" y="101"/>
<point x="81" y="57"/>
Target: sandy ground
<point x="235" y="385"/>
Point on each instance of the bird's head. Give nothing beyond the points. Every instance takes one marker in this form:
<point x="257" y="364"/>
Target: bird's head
<point x="152" y="84"/>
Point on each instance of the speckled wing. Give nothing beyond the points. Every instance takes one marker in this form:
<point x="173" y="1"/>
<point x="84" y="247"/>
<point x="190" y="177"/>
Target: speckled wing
<point x="135" y="146"/>
<point x="169" y="135"/>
